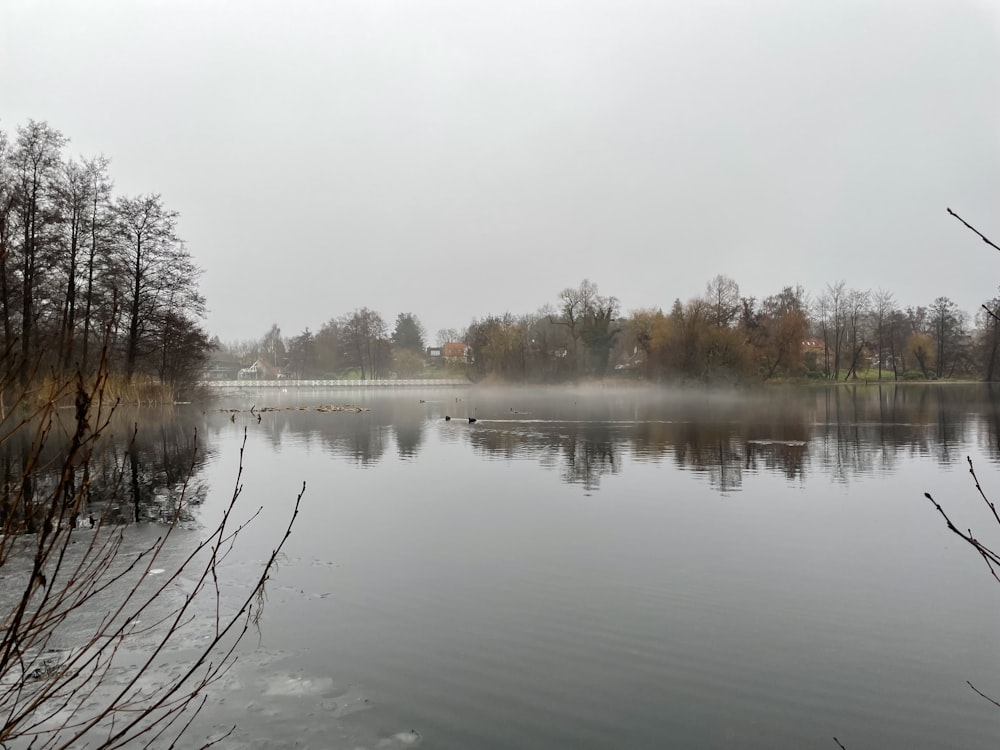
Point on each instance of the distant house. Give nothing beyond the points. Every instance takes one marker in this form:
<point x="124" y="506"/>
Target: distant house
<point x="454" y="351"/>
<point x="434" y="352"/>
<point x="253" y="372"/>
<point x="221" y="369"/>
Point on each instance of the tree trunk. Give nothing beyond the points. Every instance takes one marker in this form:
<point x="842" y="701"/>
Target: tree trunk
<point x="28" y="288"/>
<point x="132" y="352"/>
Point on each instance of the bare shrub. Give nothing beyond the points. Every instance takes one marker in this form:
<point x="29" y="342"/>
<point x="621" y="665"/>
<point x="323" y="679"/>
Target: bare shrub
<point x="96" y="603"/>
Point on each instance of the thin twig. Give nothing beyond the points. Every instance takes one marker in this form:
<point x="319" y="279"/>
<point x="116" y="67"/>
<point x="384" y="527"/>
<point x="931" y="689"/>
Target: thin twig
<point x="969" y="226"/>
<point x="991" y="558"/>
<point x="984" y="695"/>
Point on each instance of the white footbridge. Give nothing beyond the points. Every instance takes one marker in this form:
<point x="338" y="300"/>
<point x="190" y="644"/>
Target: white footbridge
<point x="357" y="384"/>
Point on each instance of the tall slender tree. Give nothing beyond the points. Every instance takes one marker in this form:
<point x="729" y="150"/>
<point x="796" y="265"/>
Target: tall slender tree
<point x="884" y="305"/>
<point x="100" y="225"/>
<point x="35" y="166"/>
<point x="158" y="273"/>
<point x="7" y="220"/>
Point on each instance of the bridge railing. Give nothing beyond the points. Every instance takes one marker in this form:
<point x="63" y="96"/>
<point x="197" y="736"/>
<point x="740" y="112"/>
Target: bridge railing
<point x="395" y="383"/>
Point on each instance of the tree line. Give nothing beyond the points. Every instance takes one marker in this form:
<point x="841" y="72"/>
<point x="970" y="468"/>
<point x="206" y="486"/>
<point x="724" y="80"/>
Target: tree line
<point x="721" y="335"/>
<point x="81" y="266"/>
<point x="358" y="343"/>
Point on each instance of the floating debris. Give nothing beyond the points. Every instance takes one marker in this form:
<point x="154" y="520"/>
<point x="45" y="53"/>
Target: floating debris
<point x="255" y="412"/>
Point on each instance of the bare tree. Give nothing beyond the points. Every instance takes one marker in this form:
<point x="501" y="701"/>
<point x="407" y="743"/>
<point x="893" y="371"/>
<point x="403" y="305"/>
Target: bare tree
<point x="723" y="297"/>
<point x="159" y="275"/>
<point x="99" y="222"/>
<point x="7" y="219"/>
<point x="273" y="347"/>
<point x="588" y="317"/>
<point x="831" y="310"/>
<point x="855" y="316"/>
<point x="364" y="335"/>
<point x="600" y="328"/>
<point x="448" y="335"/>
<point x="883" y="305"/>
<point x="947" y="328"/>
<point x="34" y="166"/>
<point x="572" y="306"/>
<point x="989" y="339"/>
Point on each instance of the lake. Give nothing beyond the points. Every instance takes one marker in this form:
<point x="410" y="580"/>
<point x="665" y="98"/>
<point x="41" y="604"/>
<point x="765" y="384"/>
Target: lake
<point x="597" y="568"/>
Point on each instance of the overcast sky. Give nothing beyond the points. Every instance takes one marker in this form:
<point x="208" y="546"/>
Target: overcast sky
<point x="456" y="159"/>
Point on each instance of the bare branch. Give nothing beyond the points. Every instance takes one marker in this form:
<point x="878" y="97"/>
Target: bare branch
<point x="981" y="693"/>
<point x="52" y="697"/>
<point x="969" y="226"/>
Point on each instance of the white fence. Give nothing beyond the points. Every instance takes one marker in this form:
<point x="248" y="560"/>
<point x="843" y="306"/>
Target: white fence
<point x="400" y="383"/>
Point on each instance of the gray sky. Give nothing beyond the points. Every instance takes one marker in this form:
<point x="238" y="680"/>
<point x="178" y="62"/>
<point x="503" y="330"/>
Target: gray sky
<point x="455" y="159"/>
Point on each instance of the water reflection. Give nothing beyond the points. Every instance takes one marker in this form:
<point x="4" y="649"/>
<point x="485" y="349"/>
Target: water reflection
<point x="989" y="418"/>
<point x="842" y="432"/>
<point x="412" y="589"/>
<point x="582" y="452"/>
<point x="352" y="429"/>
<point x="137" y="471"/>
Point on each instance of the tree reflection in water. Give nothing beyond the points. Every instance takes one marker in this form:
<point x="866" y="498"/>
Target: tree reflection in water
<point x="145" y="462"/>
<point x="726" y="435"/>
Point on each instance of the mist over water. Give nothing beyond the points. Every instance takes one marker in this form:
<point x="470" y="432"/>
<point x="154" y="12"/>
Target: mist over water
<point x="609" y="568"/>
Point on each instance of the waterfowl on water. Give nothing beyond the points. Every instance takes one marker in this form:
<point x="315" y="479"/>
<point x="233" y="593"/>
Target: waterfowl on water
<point x="471" y="420"/>
<point x="447" y="418"/>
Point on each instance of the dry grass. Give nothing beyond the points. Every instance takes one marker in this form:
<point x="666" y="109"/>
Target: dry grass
<point x="109" y="389"/>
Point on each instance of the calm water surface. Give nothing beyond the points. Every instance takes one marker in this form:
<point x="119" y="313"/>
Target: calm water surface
<point x="598" y="569"/>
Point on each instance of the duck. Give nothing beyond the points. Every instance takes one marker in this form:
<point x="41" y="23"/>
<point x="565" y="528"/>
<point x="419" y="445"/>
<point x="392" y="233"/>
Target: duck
<point x="471" y="420"/>
<point x="447" y="418"/>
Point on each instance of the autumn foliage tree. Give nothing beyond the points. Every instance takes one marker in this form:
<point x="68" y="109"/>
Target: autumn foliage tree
<point x="775" y="330"/>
